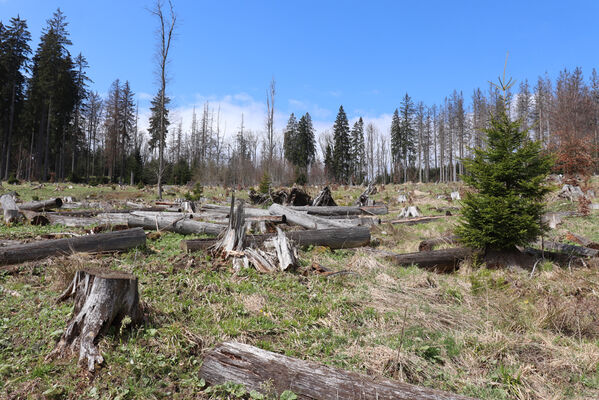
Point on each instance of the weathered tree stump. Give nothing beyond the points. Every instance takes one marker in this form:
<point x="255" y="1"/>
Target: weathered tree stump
<point x="102" y="299"/>
<point x="364" y="199"/>
<point x="9" y="206"/>
<point x="324" y="198"/>
<point x="233" y="238"/>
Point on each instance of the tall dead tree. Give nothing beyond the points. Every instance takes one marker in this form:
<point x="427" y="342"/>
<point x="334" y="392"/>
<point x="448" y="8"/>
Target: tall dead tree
<point x="165" y="34"/>
<point x="270" y="123"/>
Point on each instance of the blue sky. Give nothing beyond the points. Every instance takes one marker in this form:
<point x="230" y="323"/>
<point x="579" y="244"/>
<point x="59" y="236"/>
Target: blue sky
<point x="364" y="55"/>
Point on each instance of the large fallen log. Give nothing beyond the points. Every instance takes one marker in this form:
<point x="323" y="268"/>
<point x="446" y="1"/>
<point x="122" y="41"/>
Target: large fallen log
<point x="439" y="260"/>
<point x="415" y="221"/>
<point x="337" y="238"/>
<point x="183" y="226"/>
<point x="99" y="243"/>
<point x="262" y="370"/>
<point x="10" y="208"/>
<point x="102" y="299"/>
<point x="42" y="205"/>
<point x="568" y="249"/>
<point x="582" y="240"/>
<point x="248" y="212"/>
<point x="305" y="220"/>
<point x="343" y="210"/>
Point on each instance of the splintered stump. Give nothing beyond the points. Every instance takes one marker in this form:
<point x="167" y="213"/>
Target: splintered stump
<point x="265" y="371"/>
<point x="324" y="198"/>
<point x="102" y="299"/>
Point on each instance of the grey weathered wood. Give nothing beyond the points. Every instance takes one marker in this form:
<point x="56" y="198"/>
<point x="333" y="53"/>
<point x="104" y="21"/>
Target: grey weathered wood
<point x="102" y="298"/>
<point x="232" y="239"/>
<point x="324" y="198"/>
<point x="184" y="226"/>
<point x="256" y="368"/>
<point x="307" y="221"/>
<point x="343" y="210"/>
<point x="444" y="260"/>
<point x="336" y="238"/>
<point x="10" y="208"/>
<point x="286" y="253"/>
<point x="102" y="242"/>
<point x="42" y="205"/>
<point x="410" y="212"/>
<point x="415" y="221"/>
<point x="578" y="251"/>
<point x="248" y="211"/>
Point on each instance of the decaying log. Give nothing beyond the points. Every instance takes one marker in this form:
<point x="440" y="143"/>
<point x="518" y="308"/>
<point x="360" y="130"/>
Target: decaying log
<point x="338" y="238"/>
<point x="430" y="244"/>
<point x="9" y="206"/>
<point x="35" y="218"/>
<point x="568" y="249"/>
<point x="582" y="241"/>
<point x="553" y="219"/>
<point x="42" y="205"/>
<point x="184" y="226"/>
<point x="343" y="210"/>
<point x="102" y="242"/>
<point x="415" y="221"/>
<point x="247" y="211"/>
<point x="441" y="260"/>
<point x="102" y="298"/>
<point x="305" y="220"/>
<point x="257" y="198"/>
<point x="261" y="260"/>
<point x="279" y="196"/>
<point x="324" y="198"/>
<point x="262" y="370"/>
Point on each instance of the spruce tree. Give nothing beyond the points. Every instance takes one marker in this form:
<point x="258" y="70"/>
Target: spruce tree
<point x="395" y="145"/>
<point x="305" y="147"/>
<point x="155" y="121"/>
<point x="358" y="158"/>
<point x="290" y="139"/>
<point x="407" y="135"/>
<point x="342" y="147"/>
<point x="508" y="175"/>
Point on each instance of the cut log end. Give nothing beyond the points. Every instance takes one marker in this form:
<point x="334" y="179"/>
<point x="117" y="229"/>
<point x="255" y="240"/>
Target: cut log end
<point x="102" y="298"/>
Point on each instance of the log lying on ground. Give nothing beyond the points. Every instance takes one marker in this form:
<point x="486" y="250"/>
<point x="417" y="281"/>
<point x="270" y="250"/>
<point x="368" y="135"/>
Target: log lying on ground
<point x="568" y="249"/>
<point x="102" y="242"/>
<point x="102" y="298"/>
<point x="9" y="206"/>
<point x="103" y="218"/>
<point x="415" y="221"/>
<point x="430" y="244"/>
<point x="582" y="240"/>
<point x="42" y="205"/>
<point x="343" y="210"/>
<point x="183" y="226"/>
<point x="440" y="260"/>
<point x="305" y="220"/>
<point x="258" y="369"/>
<point x="337" y="238"/>
<point x="324" y="198"/>
<point x="248" y="212"/>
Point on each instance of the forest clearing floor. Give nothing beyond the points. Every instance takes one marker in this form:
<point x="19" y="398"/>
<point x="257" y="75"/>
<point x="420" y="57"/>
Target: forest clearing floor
<point x="491" y="334"/>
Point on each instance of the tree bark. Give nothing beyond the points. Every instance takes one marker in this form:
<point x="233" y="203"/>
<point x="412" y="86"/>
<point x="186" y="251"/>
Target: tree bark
<point x="9" y="206"/>
<point x="102" y="298"/>
<point x="305" y="220"/>
<point x="178" y="225"/>
<point x="42" y="205"/>
<point x="337" y="238"/>
<point x="103" y="242"/>
<point x="343" y="210"/>
<point x="439" y="260"/>
<point x="256" y="369"/>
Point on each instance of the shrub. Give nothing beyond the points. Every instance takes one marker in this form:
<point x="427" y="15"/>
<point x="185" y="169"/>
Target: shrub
<point x="196" y="194"/>
<point x="12" y="180"/>
<point x="264" y="187"/>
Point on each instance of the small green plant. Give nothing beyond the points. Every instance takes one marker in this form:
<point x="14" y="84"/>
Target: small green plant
<point x="12" y="180"/>
<point x="265" y="182"/>
<point x="35" y="198"/>
<point x="140" y="185"/>
<point x="196" y="194"/>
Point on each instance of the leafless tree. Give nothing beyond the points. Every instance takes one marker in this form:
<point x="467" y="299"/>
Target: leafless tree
<point x="165" y="34"/>
<point x="270" y="124"/>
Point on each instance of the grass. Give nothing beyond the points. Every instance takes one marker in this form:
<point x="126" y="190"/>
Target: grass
<point x="492" y="334"/>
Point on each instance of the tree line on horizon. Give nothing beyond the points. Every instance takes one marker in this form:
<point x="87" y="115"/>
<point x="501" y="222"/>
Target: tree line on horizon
<point x="54" y="128"/>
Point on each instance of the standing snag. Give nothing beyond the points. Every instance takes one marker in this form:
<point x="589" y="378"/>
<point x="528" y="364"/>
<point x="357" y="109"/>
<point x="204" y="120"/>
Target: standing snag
<point x="102" y="298"/>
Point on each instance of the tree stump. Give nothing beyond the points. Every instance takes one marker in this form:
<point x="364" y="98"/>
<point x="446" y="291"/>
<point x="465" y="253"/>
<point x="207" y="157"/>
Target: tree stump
<point x="298" y="197"/>
<point x="324" y="198"/>
<point x="102" y="299"/>
<point x="9" y="206"/>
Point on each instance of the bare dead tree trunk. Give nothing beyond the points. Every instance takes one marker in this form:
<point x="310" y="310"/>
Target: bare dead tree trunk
<point x="167" y="26"/>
